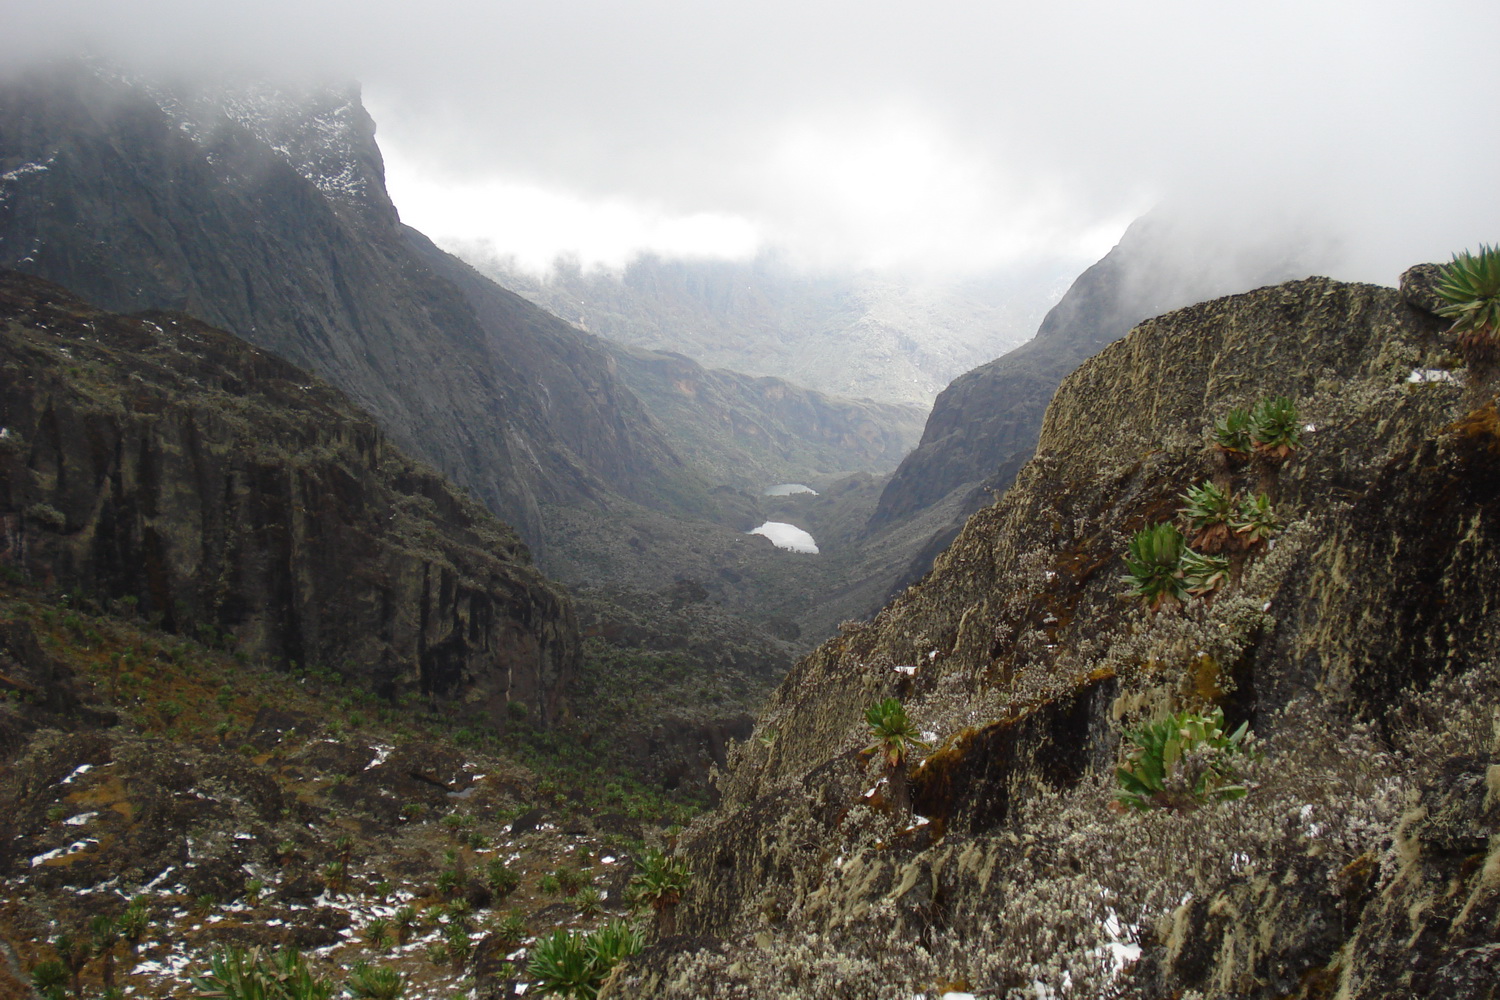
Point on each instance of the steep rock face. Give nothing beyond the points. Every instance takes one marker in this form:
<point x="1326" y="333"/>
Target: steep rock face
<point x="1359" y="650"/>
<point x="158" y="460"/>
<point x="986" y="422"/>
<point x="264" y="213"/>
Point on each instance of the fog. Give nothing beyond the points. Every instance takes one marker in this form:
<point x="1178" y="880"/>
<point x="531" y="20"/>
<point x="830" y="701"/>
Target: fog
<point x="945" y="137"/>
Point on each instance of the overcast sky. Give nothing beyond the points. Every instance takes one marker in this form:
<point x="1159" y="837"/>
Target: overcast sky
<point x="941" y="135"/>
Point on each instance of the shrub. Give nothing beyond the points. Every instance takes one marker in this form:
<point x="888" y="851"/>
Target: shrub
<point x="1209" y="511"/>
<point x="240" y="975"/>
<point x="1181" y="762"/>
<point x="589" y="900"/>
<point x="367" y="982"/>
<point x="50" y="979"/>
<point x="1274" y="430"/>
<point x="1255" y="522"/>
<point x="1202" y="574"/>
<point x="1152" y="565"/>
<point x="660" y="882"/>
<point x="510" y="930"/>
<point x="1470" y="285"/>
<point x="576" y="965"/>
<point x="1232" y="434"/>
<point x="570" y="880"/>
<point x="502" y="879"/>
<point x="895" y="734"/>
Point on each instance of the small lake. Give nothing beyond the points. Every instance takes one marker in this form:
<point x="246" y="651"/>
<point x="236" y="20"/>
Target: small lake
<point x="787" y="536"/>
<point x="789" y="489"/>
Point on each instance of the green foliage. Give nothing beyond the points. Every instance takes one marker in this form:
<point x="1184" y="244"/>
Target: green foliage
<point x="367" y="982"/>
<point x="510" y="930"/>
<point x="502" y="879"/>
<point x="1274" y="429"/>
<point x="576" y="965"/>
<point x="570" y="880"/>
<point x="895" y="734"/>
<point x="1152" y="565"/>
<point x="660" y="881"/>
<point x="135" y="921"/>
<point x="563" y="966"/>
<point x="49" y="977"/>
<point x="589" y="900"/>
<point x="1255" y="522"/>
<point x="1181" y="762"/>
<point x="1209" y="511"/>
<point x="402" y="920"/>
<point x="1470" y="285"/>
<point x="378" y="933"/>
<point x="240" y="975"/>
<point x="1202" y="574"/>
<point x="1232" y="433"/>
<point x="550" y="885"/>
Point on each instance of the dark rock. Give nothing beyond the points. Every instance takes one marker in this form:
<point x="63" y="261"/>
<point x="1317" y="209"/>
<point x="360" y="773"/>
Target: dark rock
<point x="1419" y="287"/>
<point x="225" y="489"/>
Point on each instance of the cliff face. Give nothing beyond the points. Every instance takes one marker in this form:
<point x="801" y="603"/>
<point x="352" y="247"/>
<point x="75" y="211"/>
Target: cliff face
<point x="264" y="213"/>
<point x="1365" y="860"/>
<point x="156" y="460"/>
<point x="985" y="424"/>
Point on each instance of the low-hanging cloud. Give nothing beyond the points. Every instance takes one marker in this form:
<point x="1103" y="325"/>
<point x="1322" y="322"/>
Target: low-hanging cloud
<point x="951" y="135"/>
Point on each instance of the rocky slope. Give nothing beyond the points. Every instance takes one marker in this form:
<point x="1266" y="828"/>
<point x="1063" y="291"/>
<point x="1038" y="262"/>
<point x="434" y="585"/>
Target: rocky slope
<point x="984" y="425"/>
<point x="226" y="493"/>
<point x="263" y="212"/>
<point x="1359" y="650"/>
<point x="755" y="432"/>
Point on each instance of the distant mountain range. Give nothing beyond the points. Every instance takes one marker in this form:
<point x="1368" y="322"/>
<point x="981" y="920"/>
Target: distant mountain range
<point x="867" y="336"/>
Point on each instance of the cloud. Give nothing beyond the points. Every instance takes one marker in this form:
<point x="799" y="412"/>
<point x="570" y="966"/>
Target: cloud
<point x="945" y="134"/>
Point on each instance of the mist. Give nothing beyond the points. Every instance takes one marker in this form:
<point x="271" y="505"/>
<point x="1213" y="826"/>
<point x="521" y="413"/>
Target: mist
<point x="950" y="139"/>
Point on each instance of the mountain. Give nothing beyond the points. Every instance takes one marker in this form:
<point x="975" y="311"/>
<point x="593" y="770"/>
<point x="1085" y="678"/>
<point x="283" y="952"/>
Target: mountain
<point x="756" y="431"/>
<point x="985" y="424"/>
<point x="156" y="463"/>
<point x="264" y="212"/>
<point x="865" y="335"/>
<point x="1357" y="649"/>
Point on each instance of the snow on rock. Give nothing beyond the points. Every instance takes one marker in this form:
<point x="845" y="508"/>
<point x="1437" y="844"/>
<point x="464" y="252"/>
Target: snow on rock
<point x="787" y="536"/>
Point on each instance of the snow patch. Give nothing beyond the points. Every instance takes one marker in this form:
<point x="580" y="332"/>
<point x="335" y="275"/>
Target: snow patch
<point x="80" y="819"/>
<point x="1419" y="375"/>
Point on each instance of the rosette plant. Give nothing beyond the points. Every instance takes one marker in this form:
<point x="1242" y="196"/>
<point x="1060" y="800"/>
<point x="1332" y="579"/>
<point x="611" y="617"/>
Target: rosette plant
<point x="1152" y="566"/>
<point x="1202" y="574"/>
<point x="1209" y="511"/>
<point x="1255" y="522"/>
<point x="1470" y="285"/>
<point x="895" y="737"/>
<point x="1181" y="762"/>
<point x="1274" y="430"/>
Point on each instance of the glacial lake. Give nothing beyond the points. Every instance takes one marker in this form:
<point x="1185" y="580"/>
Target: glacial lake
<point x="787" y="536"/>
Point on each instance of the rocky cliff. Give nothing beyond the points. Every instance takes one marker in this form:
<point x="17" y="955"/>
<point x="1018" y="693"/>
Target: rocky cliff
<point x="231" y="496"/>
<point x="984" y="425"/>
<point x="1359" y="650"/>
<point x="263" y="211"/>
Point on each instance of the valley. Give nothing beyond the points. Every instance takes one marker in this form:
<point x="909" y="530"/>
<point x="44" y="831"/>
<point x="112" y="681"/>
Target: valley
<point x="388" y="611"/>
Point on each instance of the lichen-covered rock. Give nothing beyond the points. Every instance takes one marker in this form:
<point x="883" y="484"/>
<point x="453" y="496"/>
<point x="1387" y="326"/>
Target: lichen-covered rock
<point x="1360" y="649"/>
<point x="235" y="498"/>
